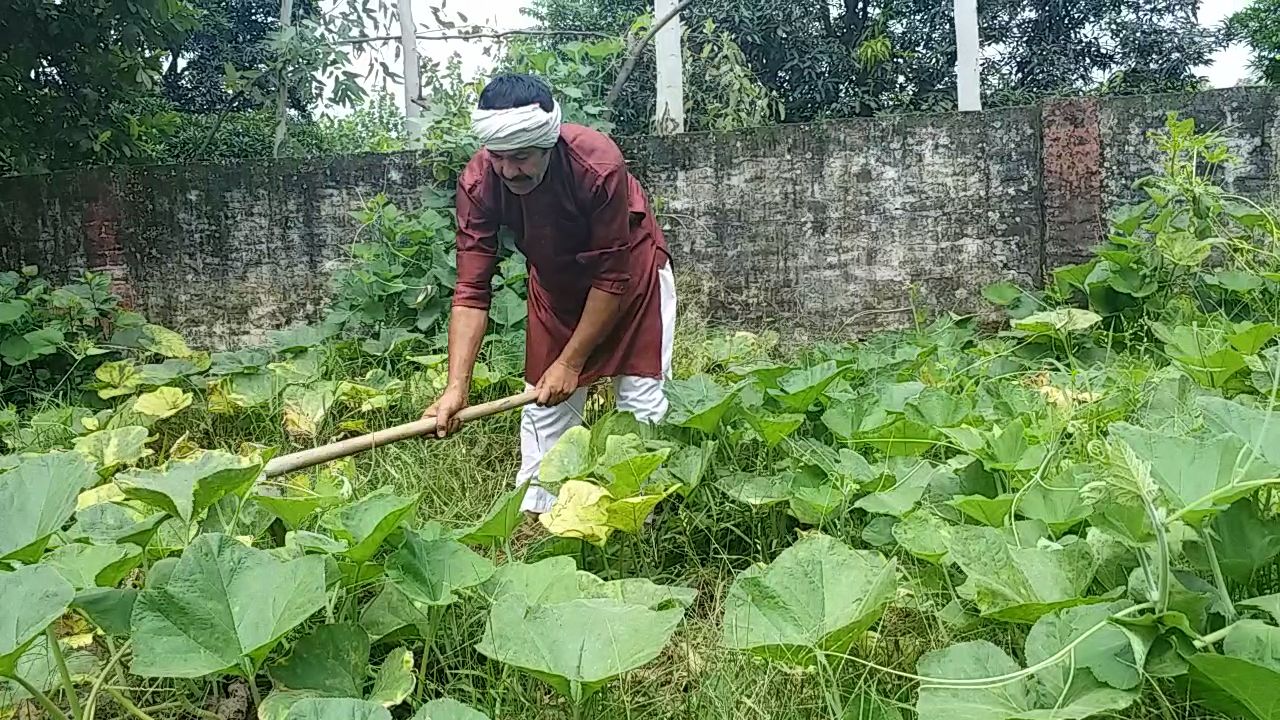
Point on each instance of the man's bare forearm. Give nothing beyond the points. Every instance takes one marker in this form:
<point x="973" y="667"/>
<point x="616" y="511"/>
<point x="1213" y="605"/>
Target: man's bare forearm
<point x="466" y="332"/>
<point x="598" y="318"/>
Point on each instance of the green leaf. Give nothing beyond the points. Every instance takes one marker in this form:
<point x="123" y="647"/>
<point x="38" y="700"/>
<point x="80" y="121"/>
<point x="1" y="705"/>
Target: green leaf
<point x="1259" y="429"/>
<point x="800" y="388"/>
<point x="1107" y="653"/>
<point x="1020" y="699"/>
<point x="576" y="646"/>
<point x="85" y="565"/>
<point x="699" y="403"/>
<point x="991" y="512"/>
<point x="299" y="337"/>
<point x="390" y="610"/>
<point x="331" y="661"/>
<point x="430" y="570"/>
<point x="172" y="369"/>
<point x="1057" y="501"/>
<point x="912" y="479"/>
<point x="819" y="595"/>
<point x="1019" y="584"/>
<point x="31" y="597"/>
<point x="303" y="497"/>
<point x="336" y="709"/>
<point x="935" y="407"/>
<point x="185" y="488"/>
<point x="1269" y="604"/>
<point x="508" y="308"/>
<point x="22" y="349"/>
<point x="109" y="608"/>
<point x="395" y="680"/>
<point x="36" y="498"/>
<point x="364" y="524"/>
<point x="109" y="449"/>
<point x="1196" y="476"/>
<point x="12" y="311"/>
<point x="757" y="490"/>
<point x="568" y="459"/>
<point x="1243" y="682"/>
<point x="224" y="606"/>
<point x="1204" y="353"/>
<point x="1060" y="322"/>
<point x="447" y="709"/>
<point x="117" y="378"/>
<point x="500" y="522"/>
<point x="772" y="428"/>
<point x="1002" y="293"/>
<point x="162" y="403"/>
<point x="1246" y="542"/>
<point x="923" y="534"/>
<point x="626" y="464"/>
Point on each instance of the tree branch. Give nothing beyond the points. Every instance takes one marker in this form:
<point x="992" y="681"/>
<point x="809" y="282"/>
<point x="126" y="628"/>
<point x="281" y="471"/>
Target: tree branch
<point x="633" y="57"/>
<point x="493" y="35"/>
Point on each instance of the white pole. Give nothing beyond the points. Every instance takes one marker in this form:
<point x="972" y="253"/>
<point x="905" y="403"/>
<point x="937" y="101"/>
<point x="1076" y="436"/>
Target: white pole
<point x="670" y="62"/>
<point x="968" y="83"/>
<point x="412" y="87"/>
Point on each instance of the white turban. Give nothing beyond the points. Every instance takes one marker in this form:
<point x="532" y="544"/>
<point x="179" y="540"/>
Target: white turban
<point x="518" y="127"/>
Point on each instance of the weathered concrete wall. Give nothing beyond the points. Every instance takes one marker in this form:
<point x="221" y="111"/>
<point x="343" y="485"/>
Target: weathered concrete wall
<point x="842" y="226"/>
<point x="823" y="228"/>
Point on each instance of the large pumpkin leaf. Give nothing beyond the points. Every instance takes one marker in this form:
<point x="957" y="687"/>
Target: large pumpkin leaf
<point x="109" y="449"/>
<point x="1246" y="540"/>
<point x="911" y="478"/>
<point x="626" y="464"/>
<point x="304" y="495"/>
<point x="1197" y="476"/>
<point x="1107" y="654"/>
<point x="162" y="403"/>
<point x="225" y="605"/>
<point x="364" y="524"/>
<point x="36" y="497"/>
<point x="448" y="709"/>
<point x="336" y="709"/>
<point x="86" y="565"/>
<point x="1019" y="584"/>
<point x="1020" y="699"/>
<point x="430" y="570"/>
<point x="332" y="660"/>
<point x="819" y="595"/>
<point x="580" y="511"/>
<point x="1258" y="428"/>
<point x="576" y="646"/>
<point x="799" y="388"/>
<point x="1244" y="681"/>
<point x="31" y="597"/>
<point x="186" y="488"/>
<point x="699" y="403"/>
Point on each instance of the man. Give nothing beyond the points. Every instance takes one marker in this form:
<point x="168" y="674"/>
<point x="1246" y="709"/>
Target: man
<point x="601" y="292"/>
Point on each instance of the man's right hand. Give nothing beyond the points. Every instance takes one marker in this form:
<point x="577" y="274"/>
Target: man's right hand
<point x="445" y="411"/>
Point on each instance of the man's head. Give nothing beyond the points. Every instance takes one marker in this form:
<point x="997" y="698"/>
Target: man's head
<point x="519" y="122"/>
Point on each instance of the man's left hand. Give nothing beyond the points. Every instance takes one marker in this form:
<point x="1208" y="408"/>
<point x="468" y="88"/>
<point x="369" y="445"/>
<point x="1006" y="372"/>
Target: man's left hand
<point x="558" y="383"/>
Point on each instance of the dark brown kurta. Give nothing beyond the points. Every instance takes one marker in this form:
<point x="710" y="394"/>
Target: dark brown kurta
<point x="587" y="225"/>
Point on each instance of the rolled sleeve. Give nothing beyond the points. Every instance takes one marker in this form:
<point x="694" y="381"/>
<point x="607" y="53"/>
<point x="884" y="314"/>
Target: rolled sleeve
<point x="608" y="257"/>
<point x="477" y="252"/>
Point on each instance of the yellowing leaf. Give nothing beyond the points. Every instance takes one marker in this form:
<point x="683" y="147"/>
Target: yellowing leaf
<point x="581" y="511"/>
<point x="629" y="514"/>
<point x="110" y="492"/>
<point x="162" y="403"/>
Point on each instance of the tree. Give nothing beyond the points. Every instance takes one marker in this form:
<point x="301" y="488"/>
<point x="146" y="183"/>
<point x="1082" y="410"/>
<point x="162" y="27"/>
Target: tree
<point x="235" y="33"/>
<point x="68" y="70"/>
<point x="1259" y="26"/>
<point x="860" y="57"/>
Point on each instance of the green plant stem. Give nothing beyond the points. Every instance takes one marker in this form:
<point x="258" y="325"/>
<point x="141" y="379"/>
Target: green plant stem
<point x="91" y="701"/>
<point x="127" y="704"/>
<point x="43" y="700"/>
<point x="830" y="690"/>
<point x="434" y="616"/>
<point x="64" y="673"/>
<point x="253" y="690"/>
<point x="1229" y="608"/>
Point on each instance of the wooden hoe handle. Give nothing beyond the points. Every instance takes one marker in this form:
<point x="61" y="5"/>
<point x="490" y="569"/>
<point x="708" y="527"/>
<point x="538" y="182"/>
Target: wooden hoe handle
<point x="326" y="453"/>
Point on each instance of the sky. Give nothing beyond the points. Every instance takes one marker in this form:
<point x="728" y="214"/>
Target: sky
<point x="1229" y="66"/>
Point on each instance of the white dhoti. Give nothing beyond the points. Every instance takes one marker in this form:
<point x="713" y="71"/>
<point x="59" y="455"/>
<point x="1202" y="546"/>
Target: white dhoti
<point x="541" y="427"/>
